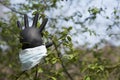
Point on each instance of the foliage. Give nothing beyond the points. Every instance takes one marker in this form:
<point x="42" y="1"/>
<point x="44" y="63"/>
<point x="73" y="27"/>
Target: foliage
<point x="64" y="61"/>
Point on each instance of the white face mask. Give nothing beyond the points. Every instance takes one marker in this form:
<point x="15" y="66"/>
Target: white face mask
<point x="32" y="56"/>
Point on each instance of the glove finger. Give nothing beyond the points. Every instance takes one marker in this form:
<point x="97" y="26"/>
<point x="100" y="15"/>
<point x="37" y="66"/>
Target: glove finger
<point x="26" y="21"/>
<point x="35" y="20"/>
<point x="42" y="26"/>
<point x="19" y="25"/>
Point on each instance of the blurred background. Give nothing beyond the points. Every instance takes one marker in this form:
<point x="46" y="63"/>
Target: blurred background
<point x="88" y="29"/>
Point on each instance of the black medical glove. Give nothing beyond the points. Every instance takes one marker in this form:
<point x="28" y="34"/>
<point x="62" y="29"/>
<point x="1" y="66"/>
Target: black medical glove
<point x="31" y="37"/>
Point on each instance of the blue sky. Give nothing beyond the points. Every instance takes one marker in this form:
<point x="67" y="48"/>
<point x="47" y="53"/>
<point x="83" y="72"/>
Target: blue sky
<point x="99" y="25"/>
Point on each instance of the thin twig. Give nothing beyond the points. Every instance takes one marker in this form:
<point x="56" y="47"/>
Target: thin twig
<point x="19" y="75"/>
<point x="12" y="9"/>
<point x="62" y="64"/>
<point x="112" y="67"/>
<point x="36" y="73"/>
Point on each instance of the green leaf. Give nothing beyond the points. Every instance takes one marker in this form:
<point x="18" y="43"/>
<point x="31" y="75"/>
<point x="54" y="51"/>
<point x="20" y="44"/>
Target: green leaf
<point x="40" y="70"/>
<point x="94" y="10"/>
<point x="54" y="60"/>
<point x="70" y="28"/>
<point x="53" y="78"/>
<point x="70" y="56"/>
<point x="69" y="38"/>
<point x="101" y="67"/>
<point x="87" y="78"/>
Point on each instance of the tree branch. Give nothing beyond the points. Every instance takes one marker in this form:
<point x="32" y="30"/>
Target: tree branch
<point x="110" y="68"/>
<point x="20" y="74"/>
<point x="12" y="9"/>
<point x="36" y="72"/>
<point x="62" y="64"/>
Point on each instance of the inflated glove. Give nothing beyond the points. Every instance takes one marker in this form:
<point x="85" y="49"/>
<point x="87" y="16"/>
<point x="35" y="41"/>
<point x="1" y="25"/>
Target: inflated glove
<point x="32" y="36"/>
<point x="33" y="47"/>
